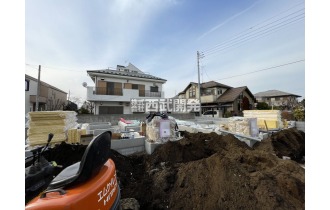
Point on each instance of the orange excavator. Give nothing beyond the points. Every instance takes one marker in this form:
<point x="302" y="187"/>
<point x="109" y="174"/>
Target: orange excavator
<point x="88" y="184"/>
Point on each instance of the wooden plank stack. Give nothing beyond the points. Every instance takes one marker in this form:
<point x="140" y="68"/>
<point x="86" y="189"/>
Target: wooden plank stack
<point x="74" y="135"/>
<point x="272" y="118"/>
<point x="41" y="123"/>
<point x="244" y="126"/>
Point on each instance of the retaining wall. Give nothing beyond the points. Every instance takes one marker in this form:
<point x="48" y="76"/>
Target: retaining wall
<point x="128" y="146"/>
<point x="300" y="125"/>
<point x="114" y="118"/>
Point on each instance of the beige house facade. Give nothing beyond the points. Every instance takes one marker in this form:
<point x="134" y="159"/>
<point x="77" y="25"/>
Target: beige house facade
<point x="217" y="96"/>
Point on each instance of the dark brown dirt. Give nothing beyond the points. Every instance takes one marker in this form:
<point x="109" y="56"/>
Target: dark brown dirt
<point x="289" y="142"/>
<point x="209" y="171"/>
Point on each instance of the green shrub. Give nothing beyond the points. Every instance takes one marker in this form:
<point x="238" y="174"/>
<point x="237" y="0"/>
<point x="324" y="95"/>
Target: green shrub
<point x="299" y="113"/>
<point x="263" y="106"/>
<point x="228" y="114"/>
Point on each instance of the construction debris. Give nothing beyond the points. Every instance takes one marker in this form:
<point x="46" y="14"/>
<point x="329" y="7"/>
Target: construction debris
<point x="267" y="119"/>
<point x="209" y="171"/>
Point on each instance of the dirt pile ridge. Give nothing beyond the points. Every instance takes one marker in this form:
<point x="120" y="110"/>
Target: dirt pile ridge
<point x="210" y="171"/>
<point x="289" y="142"/>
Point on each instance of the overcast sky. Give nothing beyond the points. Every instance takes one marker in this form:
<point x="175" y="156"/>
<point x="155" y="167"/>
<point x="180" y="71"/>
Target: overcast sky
<point x="255" y="43"/>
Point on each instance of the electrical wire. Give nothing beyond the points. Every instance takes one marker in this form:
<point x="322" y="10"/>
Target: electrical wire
<point x="265" y="69"/>
<point x="260" y="34"/>
<point x="252" y="33"/>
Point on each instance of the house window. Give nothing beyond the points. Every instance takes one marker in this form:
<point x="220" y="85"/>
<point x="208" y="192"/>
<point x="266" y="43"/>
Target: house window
<point x="135" y="86"/>
<point x="114" y="88"/>
<point x="240" y="96"/>
<point x="27" y="85"/>
<point x="192" y="92"/>
<point x="208" y="91"/>
<point x="154" y="89"/>
<point x="219" y="91"/>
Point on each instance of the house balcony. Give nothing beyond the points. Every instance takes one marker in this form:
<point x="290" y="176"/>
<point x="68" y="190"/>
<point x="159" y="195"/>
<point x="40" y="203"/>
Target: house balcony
<point x="123" y="95"/>
<point x="208" y="98"/>
<point x="42" y="99"/>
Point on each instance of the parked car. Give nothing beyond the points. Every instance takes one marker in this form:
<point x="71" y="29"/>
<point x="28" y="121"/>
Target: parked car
<point x="214" y="113"/>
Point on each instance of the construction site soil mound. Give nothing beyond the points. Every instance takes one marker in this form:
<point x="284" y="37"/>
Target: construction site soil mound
<point x="209" y="171"/>
<point x="289" y="143"/>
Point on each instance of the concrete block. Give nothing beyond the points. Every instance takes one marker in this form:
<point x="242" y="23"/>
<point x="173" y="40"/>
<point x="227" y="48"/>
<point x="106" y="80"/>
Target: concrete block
<point x="86" y="139"/>
<point x="263" y="135"/>
<point x="300" y="126"/>
<point x="250" y="143"/>
<point x="150" y="147"/>
<point x="127" y="143"/>
<point x="131" y="150"/>
<point x="99" y="131"/>
<point x="100" y="123"/>
<point x="98" y="126"/>
<point x="135" y="128"/>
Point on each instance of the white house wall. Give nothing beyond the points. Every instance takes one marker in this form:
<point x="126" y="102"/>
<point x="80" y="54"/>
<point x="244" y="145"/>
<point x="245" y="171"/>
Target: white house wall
<point x="127" y="107"/>
<point x="147" y="84"/>
<point x="32" y="91"/>
<point x="128" y="94"/>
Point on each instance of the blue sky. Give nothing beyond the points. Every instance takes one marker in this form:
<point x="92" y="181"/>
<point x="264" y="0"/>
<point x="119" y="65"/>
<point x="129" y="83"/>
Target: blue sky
<point x="255" y="43"/>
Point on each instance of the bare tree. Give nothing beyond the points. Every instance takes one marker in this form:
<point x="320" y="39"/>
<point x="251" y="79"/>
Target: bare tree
<point x="76" y="100"/>
<point x="291" y="102"/>
<point x="89" y="106"/>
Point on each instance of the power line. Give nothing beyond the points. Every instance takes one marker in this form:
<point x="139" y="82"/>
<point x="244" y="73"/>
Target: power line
<point x="256" y="35"/>
<point x="261" y="23"/>
<point x="255" y="31"/>
<point x="249" y="32"/>
<point x="269" y="68"/>
<point x="265" y="28"/>
<point x="52" y="67"/>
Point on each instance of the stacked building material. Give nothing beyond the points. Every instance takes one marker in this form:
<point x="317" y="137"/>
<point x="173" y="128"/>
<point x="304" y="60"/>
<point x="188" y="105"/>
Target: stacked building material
<point x="40" y="124"/>
<point x="272" y="118"/>
<point x="244" y="126"/>
<point x="74" y="135"/>
<point x="161" y="130"/>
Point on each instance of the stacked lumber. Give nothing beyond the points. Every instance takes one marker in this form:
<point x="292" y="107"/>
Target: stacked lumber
<point x="74" y="135"/>
<point x="272" y="118"/>
<point x="244" y="126"/>
<point x="40" y="124"/>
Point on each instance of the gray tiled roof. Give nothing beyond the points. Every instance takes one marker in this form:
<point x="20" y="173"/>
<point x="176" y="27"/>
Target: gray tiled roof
<point x="207" y="85"/>
<point x="231" y="94"/>
<point x="274" y="93"/>
<point x="124" y="73"/>
<point x="213" y="84"/>
<point x="44" y="83"/>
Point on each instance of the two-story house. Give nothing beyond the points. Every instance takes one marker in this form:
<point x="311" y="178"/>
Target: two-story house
<point x="114" y="89"/>
<point x="277" y="98"/>
<point x="221" y="97"/>
<point x="50" y="97"/>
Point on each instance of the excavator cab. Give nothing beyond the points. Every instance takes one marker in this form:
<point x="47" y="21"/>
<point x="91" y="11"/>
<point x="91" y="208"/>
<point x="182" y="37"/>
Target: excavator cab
<point x="88" y="184"/>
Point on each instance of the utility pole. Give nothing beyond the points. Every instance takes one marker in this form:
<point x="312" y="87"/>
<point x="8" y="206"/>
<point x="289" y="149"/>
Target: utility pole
<point x="38" y="89"/>
<point x="199" y="56"/>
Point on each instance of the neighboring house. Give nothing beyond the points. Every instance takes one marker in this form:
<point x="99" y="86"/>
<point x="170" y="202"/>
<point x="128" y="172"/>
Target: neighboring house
<point x="114" y="89"/>
<point x="221" y="97"/>
<point x="50" y="97"/>
<point x="277" y="98"/>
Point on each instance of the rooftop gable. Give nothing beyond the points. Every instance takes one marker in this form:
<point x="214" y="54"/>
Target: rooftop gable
<point x="274" y="93"/>
<point x="44" y="83"/>
<point x="128" y="71"/>
<point x="232" y="94"/>
<point x="213" y="84"/>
